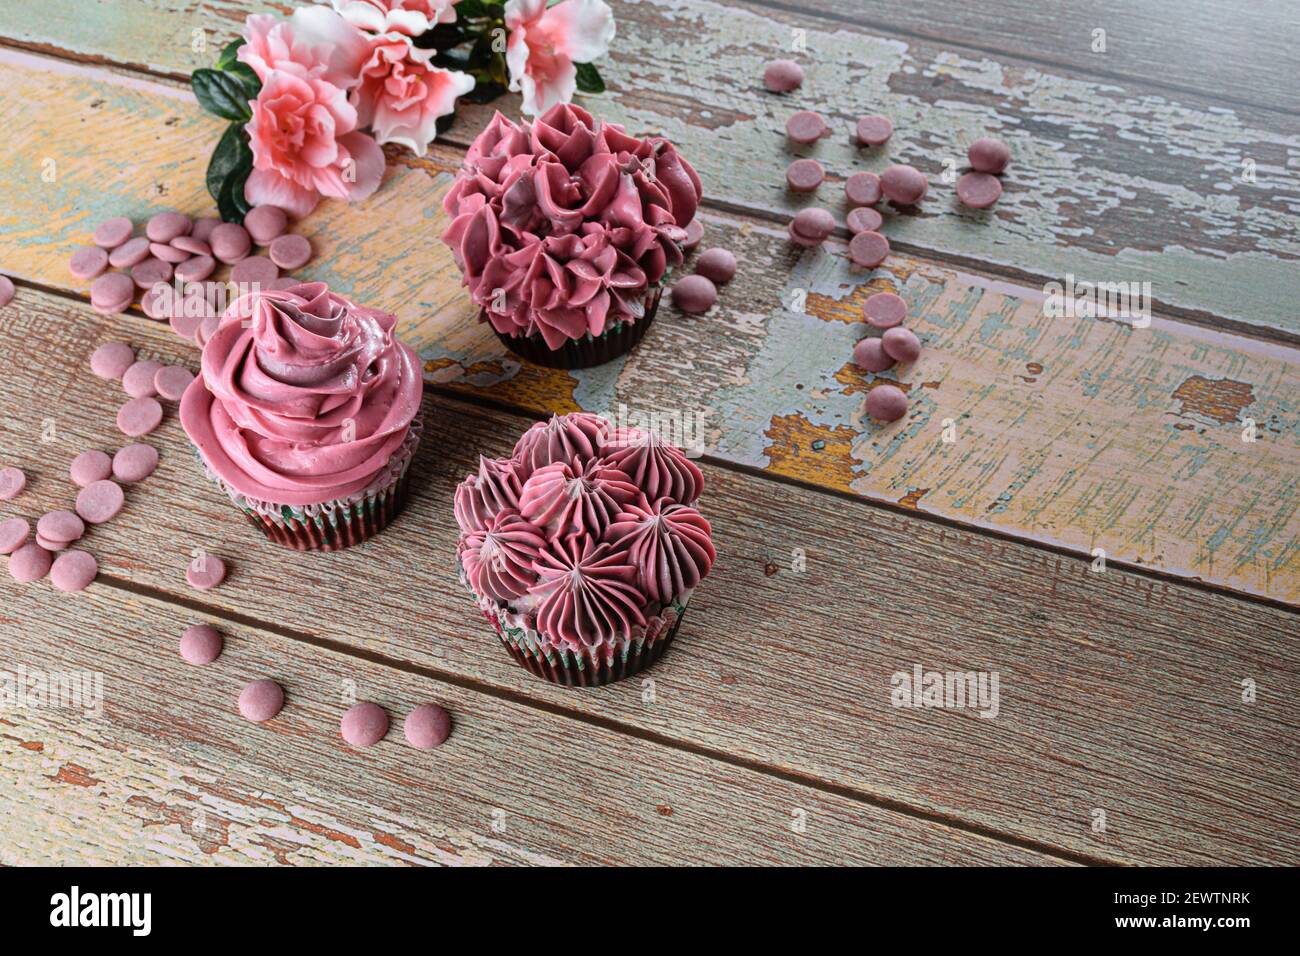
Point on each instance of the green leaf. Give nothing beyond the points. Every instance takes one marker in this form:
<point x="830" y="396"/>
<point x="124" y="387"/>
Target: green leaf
<point x="221" y="93"/>
<point x="244" y="73"/>
<point x="589" y="80"/>
<point x="469" y="9"/>
<point x="231" y="153"/>
<point x="228" y="55"/>
<point x="231" y="203"/>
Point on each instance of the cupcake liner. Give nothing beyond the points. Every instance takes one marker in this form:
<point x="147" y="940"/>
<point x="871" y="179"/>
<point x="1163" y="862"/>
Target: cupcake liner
<point x="589" y="667"/>
<point x="587" y="351"/>
<point x="338" y="524"/>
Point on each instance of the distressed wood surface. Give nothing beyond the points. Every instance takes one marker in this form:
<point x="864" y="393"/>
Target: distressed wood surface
<point x="168" y="771"/>
<point x="1078" y="433"/>
<point x="1101" y="674"/>
<point x="1112" y="180"/>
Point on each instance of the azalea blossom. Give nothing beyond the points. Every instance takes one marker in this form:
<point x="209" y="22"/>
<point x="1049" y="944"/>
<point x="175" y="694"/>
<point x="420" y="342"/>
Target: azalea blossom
<point x="409" y="17"/>
<point x="402" y="95"/>
<point x="545" y="43"/>
<point x="313" y="41"/>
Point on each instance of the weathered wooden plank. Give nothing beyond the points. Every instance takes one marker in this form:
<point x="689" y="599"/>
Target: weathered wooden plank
<point x="1118" y="693"/>
<point x="168" y="771"/>
<point x="1076" y="432"/>
<point x="1113" y="181"/>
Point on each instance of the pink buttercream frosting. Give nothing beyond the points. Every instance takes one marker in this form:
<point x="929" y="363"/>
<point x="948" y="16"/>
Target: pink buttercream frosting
<point x="616" y="547"/>
<point x="303" y="398"/>
<point x="564" y="226"/>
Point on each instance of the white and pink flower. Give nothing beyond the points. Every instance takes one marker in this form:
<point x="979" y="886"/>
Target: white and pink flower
<point x="409" y="17"/>
<point x="402" y="95"/>
<point x="314" y="40"/>
<point x="545" y="43"/>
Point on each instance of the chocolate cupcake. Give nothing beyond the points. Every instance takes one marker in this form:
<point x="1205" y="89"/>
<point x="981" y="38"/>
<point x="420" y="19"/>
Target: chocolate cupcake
<point x="565" y="231"/>
<point x="584" y="547"/>
<point x="306" y="413"/>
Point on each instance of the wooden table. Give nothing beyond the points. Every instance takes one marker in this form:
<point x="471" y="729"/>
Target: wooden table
<point x="1147" y="689"/>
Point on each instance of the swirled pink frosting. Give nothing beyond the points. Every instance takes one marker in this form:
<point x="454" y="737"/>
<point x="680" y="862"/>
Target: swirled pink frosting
<point x="303" y="398"/>
<point x="611" y="558"/>
<point x="562" y="226"/>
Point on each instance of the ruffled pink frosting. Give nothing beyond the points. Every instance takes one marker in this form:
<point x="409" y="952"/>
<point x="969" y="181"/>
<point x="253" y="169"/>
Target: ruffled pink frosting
<point x="671" y="546"/>
<point x="612" y="557"/>
<point x="561" y="227"/>
<point x="303" y="398"/>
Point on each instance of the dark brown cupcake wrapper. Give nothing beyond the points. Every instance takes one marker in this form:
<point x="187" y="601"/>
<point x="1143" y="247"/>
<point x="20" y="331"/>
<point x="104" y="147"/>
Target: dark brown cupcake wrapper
<point x="336" y="530"/>
<point x="588" y="351"/>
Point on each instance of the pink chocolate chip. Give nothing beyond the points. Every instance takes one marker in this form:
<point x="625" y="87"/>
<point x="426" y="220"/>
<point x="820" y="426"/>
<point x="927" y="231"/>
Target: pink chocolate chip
<point x="51" y="545"/>
<point x="265" y="223"/>
<point x="201" y="644"/>
<point x="196" y="269"/>
<point x="29" y="563"/>
<point x="100" y="501"/>
<point x="978" y="190"/>
<point x="901" y="344"/>
<point x="862" y="189"/>
<point x="884" y="310"/>
<point x="167" y="252"/>
<point x="90" y="466"/>
<point x="230" y="242"/>
<point x="988" y="155"/>
<point x="205" y="572"/>
<point x="166" y="226"/>
<point x="870" y="356"/>
<point x="291" y="251"/>
<point x="694" y="294"/>
<point x="195" y="247"/>
<point x="111" y="233"/>
<point x="151" y="271"/>
<point x="716" y="265"/>
<point x="811" y="227"/>
<point x="139" y="417"/>
<point x="202" y="230"/>
<point x="427" y="726"/>
<point x="868" y="249"/>
<point x="254" y="270"/>
<point x="874" y="130"/>
<point x="138" y="379"/>
<point x="782" y="76"/>
<point x="12" y="483"/>
<point x="6" y="290"/>
<point x="886" y="403"/>
<point x="805" y="127"/>
<point x="863" y="219"/>
<point x="88" y="262"/>
<point x="130" y="253"/>
<point x="364" y="724"/>
<point x="60" y="526"/>
<point x="112" y="292"/>
<point x="804" y="175"/>
<point x="134" y="463"/>
<point x="903" y="185"/>
<point x="261" y="700"/>
<point x="14" y="533"/>
<point x="73" y="570"/>
<point x="111" y="360"/>
<point x="172" y="380"/>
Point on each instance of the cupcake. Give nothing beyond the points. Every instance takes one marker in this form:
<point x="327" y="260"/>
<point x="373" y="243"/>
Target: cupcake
<point x="306" y="414"/>
<point x="565" y="231"/>
<point x="583" y="548"/>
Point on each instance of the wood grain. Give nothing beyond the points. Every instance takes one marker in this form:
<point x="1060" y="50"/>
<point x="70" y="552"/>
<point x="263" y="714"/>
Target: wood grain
<point x="1119" y="693"/>
<point x="1112" y="181"/>
<point x="168" y="771"/>
<point x="1074" y="432"/>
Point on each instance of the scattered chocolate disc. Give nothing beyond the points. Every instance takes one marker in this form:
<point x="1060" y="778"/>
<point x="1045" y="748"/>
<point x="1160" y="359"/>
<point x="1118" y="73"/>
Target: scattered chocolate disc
<point x="291" y="251"/>
<point x="172" y="380"/>
<point x="139" y="417"/>
<point x="863" y="219"/>
<point x="158" y="301"/>
<point x="812" y="226"/>
<point x="12" y="483"/>
<point x="195" y="247"/>
<point x="870" y="357"/>
<point x="901" y="344"/>
<point x="804" y="175"/>
<point x="805" y="127"/>
<point x="137" y="381"/>
<point x="167" y="252"/>
<point x="151" y="271"/>
<point x="185" y="324"/>
<point x="261" y="700"/>
<point x="884" y="310"/>
<point x="112" y="292"/>
<point x="206" y="572"/>
<point x="988" y="155"/>
<point x="874" y="130"/>
<point x="14" y="533"/>
<point x="782" y="76"/>
<point x="903" y="185"/>
<point x="100" y="501"/>
<point x="230" y="242"/>
<point x="265" y="223"/>
<point x="868" y="249"/>
<point x="202" y="230"/>
<point x="51" y="545"/>
<point x="60" y="526"/>
<point x="364" y="724"/>
<point x="979" y="190"/>
<point x="111" y="233"/>
<point x="29" y="563"/>
<point x="6" y="290"/>
<point x="201" y="644"/>
<point x="88" y="262"/>
<point x="694" y="294"/>
<point x="427" y="726"/>
<point x="73" y="570"/>
<point x="255" y="270"/>
<point x="90" y="466"/>
<point x="134" y="463"/>
<point x="716" y="265"/>
<point x="130" y="253"/>
<point x="886" y="403"/>
<point x="862" y="189"/>
<point x="111" y="360"/>
<point x="694" y="234"/>
<point x="196" y="269"/>
<point x="166" y="226"/>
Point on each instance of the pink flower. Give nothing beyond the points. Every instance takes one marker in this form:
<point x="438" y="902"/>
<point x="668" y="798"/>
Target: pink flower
<point x="402" y="95"/>
<point x="306" y="145"/>
<point x="315" y="41"/>
<point x="409" y="17"/>
<point x="545" y="44"/>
